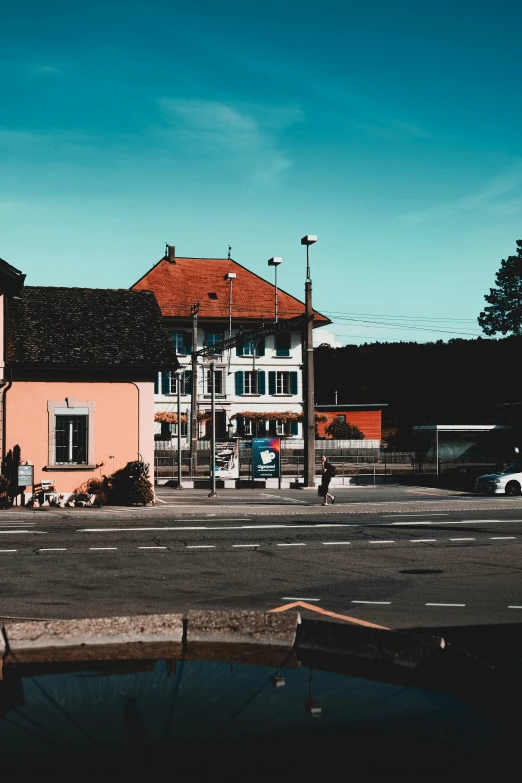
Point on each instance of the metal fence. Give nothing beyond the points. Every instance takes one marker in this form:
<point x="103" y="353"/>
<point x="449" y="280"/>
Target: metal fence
<point x="363" y="462"/>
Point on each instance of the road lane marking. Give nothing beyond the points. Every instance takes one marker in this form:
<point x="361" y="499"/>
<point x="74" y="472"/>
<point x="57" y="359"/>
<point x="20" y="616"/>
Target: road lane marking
<point x="336" y="543"/>
<point x="382" y="542"/>
<point x="381" y="603"/>
<point x="291" y="544"/>
<point x="101" y="548"/>
<point x="200" y="546"/>
<point x="8" y="550"/>
<point x="12" y="532"/>
<point x="514" y="607"/>
<point x="290" y="598"/>
<point x="445" y="605"/>
<point x="463" y="539"/>
<point x="414" y="514"/>
<point x="423" y="540"/>
<point x="54" y="549"/>
<point x="151" y="547"/>
<point x="501" y="538"/>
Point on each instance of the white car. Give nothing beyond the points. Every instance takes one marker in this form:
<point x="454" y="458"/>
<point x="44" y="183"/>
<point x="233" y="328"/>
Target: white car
<point x="509" y="482"/>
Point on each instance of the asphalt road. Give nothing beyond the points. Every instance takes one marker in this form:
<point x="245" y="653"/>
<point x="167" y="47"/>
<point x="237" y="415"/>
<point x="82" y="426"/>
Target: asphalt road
<point x="393" y="556"/>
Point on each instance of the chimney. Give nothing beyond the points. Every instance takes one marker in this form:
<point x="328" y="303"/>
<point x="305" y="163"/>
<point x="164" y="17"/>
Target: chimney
<point x="171" y="254"/>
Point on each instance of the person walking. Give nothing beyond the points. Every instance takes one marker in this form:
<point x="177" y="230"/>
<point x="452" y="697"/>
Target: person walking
<point x="328" y="471"/>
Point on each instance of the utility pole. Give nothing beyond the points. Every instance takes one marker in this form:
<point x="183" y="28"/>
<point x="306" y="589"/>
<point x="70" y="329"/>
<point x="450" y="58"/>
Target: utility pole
<point x="308" y="374"/>
<point x="213" y="493"/>
<point x="194" y="309"/>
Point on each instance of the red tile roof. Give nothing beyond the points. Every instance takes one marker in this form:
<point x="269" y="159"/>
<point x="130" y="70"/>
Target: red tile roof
<point x="178" y="286"/>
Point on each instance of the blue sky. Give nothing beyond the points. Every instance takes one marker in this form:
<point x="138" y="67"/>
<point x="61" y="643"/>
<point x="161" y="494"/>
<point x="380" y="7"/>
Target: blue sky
<point x="390" y="130"/>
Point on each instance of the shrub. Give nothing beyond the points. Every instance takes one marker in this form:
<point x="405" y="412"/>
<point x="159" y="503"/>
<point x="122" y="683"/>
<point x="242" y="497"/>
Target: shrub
<point x="341" y="430"/>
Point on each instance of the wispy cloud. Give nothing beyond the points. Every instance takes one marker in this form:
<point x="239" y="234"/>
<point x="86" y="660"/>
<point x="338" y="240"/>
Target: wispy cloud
<point x="501" y="196"/>
<point x="245" y="136"/>
<point x="394" y="130"/>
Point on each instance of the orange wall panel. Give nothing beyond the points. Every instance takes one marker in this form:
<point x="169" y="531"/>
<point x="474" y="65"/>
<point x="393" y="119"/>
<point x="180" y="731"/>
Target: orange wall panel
<point x="369" y="422"/>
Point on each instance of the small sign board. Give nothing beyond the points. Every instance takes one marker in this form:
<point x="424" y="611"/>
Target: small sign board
<point x="227" y="459"/>
<point x="25" y="475"/>
<point x="266" y="458"/>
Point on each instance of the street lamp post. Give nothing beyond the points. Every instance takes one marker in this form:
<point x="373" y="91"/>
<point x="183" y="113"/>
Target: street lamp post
<point x="275" y="263"/>
<point x="179" y="375"/>
<point x="213" y="493"/>
<point x="230" y="276"/>
<point x="308" y="375"/>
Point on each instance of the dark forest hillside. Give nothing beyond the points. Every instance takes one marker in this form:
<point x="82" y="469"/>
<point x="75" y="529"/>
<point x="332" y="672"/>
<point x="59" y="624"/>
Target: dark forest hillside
<point x="458" y="382"/>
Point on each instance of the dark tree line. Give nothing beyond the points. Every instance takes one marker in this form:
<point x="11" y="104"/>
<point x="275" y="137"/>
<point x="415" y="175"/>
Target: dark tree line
<point x="458" y="382"/>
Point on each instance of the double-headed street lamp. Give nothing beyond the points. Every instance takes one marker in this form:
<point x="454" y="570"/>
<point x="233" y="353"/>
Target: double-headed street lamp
<point x="275" y="263"/>
<point x="308" y="375"/>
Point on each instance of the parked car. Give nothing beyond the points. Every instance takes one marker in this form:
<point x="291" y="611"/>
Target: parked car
<point x="508" y="482"/>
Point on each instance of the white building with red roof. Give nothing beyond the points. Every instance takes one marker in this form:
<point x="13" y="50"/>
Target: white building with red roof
<point x="258" y="386"/>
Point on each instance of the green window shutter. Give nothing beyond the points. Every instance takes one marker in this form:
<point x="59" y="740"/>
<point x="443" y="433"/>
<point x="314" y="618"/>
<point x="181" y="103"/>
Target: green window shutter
<point x="294" y="427"/>
<point x="166" y="432"/>
<point x="239" y="349"/>
<point x="187" y="340"/>
<point x="261" y="346"/>
<point x="272" y="428"/>
<point x="261" y="384"/>
<point x="272" y="382"/>
<point x="165" y="382"/>
<point x="188" y="382"/>
<point x="293" y="383"/>
<point x="156" y="383"/>
<point x="240" y="424"/>
<point x="240" y="382"/>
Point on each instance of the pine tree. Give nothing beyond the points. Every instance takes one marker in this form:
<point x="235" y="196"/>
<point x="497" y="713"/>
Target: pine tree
<point x="504" y="313"/>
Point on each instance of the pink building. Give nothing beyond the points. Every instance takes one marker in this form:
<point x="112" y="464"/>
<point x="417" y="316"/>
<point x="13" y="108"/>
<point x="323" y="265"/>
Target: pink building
<point x="77" y="373"/>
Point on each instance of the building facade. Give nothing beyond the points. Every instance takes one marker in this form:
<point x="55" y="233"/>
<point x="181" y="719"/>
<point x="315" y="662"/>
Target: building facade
<point x="258" y="384"/>
<point x="77" y="379"/>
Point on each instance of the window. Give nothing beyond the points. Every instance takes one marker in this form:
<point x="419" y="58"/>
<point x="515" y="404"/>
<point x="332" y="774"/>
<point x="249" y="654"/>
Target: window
<point x="174" y="383"/>
<point x="71" y="439"/>
<point x="341" y="417"/>
<point x="282" y="383"/>
<point x="178" y="342"/>
<point x="183" y="429"/>
<point x="182" y="342"/>
<point x="249" y="427"/>
<point x="280" y="427"/>
<point x="250" y="382"/>
<point x="282" y="344"/>
<point x="218" y="381"/>
<point x="249" y="348"/>
<point x="213" y="338"/>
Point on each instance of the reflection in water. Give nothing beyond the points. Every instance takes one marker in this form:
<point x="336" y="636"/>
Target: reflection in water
<point x="204" y="718"/>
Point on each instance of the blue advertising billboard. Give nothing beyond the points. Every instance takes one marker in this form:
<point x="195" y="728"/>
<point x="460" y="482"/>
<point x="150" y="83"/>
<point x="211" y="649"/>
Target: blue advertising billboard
<point x="266" y="458"/>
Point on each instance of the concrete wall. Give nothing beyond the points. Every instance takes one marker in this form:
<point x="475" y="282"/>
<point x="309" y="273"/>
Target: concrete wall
<point x="116" y="427"/>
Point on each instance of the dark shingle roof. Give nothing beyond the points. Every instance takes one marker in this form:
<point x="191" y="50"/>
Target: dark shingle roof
<point x="11" y="279"/>
<point x="87" y="327"/>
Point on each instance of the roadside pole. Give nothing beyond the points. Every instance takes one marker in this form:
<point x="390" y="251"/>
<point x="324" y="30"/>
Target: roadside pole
<point x="308" y="375"/>
<point x="194" y="396"/>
